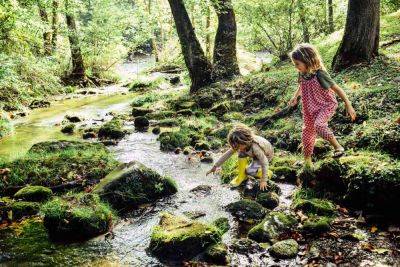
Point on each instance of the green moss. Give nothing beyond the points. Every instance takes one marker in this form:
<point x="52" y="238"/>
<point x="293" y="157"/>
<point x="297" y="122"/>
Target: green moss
<point x="49" y="164"/>
<point x="303" y="200"/>
<point x="272" y="227"/>
<point x="21" y="208"/>
<point x="247" y="211"/>
<point x="217" y="254"/>
<point x="179" y="238"/>
<point x="222" y="224"/>
<point x="112" y="130"/>
<point x="284" y="173"/>
<point x="159" y="115"/>
<point x="34" y="193"/>
<point x="68" y="129"/>
<point x="76" y="217"/>
<point x="133" y="184"/>
<point x="170" y="122"/>
<point x="169" y="141"/>
<point x="268" y="200"/>
<point x="285" y="249"/>
<point x="5" y="127"/>
<point x="316" y="224"/>
<point x="140" y="111"/>
<point x="139" y="85"/>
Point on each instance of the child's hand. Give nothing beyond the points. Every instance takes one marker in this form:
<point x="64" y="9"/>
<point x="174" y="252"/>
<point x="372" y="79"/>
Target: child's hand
<point x="351" y="111"/>
<point x="293" y="102"/>
<point x="212" y="170"/>
<point x="263" y="185"/>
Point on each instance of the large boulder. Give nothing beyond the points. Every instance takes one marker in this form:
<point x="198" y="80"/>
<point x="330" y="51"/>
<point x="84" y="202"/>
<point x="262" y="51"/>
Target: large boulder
<point x="317" y="224"/>
<point x="285" y="249"/>
<point x="269" y="200"/>
<point x="76" y="217"/>
<point x="247" y="210"/>
<point x="34" y="193"/>
<point x="179" y="238"/>
<point x="272" y="227"/>
<point x="133" y="184"/>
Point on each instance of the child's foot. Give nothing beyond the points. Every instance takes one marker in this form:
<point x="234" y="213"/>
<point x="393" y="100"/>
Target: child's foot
<point x="338" y="152"/>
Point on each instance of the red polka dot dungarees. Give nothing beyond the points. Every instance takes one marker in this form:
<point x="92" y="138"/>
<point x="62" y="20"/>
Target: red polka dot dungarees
<point x="319" y="105"/>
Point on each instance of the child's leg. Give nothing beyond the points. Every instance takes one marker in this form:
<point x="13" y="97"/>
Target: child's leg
<point x="308" y="138"/>
<point x="321" y="127"/>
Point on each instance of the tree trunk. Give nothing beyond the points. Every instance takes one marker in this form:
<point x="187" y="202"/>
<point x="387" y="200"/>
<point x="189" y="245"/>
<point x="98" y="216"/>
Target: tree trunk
<point x="47" y="34"/>
<point x="198" y="66"/>
<point x="153" y="37"/>
<point x="361" y="36"/>
<point x="78" y="69"/>
<point x="225" y="60"/>
<point x="208" y="35"/>
<point x="290" y="35"/>
<point x="302" y="14"/>
<point x="54" y="26"/>
<point x="330" y="16"/>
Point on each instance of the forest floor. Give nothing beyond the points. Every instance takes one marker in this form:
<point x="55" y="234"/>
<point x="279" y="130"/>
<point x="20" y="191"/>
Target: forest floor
<point x="349" y="217"/>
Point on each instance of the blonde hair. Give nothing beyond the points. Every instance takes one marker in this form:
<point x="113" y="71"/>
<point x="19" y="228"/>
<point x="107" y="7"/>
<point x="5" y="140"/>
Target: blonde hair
<point x="309" y="55"/>
<point x="240" y="135"/>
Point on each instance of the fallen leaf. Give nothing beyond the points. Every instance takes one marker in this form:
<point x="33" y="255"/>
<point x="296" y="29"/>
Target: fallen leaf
<point x="374" y="229"/>
<point x="367" y="247"/>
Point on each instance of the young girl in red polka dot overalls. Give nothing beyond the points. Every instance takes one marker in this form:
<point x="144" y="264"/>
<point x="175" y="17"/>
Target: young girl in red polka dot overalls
<point x="317" y="91"/>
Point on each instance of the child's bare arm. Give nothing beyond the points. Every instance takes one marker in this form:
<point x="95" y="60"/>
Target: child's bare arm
<point x="293" y="101"/>
<point x="350" y="110"/>
<point x="221" y="160"/>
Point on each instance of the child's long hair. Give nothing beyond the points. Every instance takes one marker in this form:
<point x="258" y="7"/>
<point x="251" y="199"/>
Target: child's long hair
<point x="309" y="55"/>
<point x="240" y="135"/>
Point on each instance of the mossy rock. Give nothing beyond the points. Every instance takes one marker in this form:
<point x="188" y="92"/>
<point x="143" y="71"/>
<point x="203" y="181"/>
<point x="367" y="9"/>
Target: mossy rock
<point x="315" y="206"/>
<point x="321" y="148"/>
<point x="285" y="249"/>
<point x="22" y="208"/>
<point x="317" y="224"/>
<point x="68" y="129"/>
<point x="202" y="145"/>
<point x="251" y="188"/>
<point x="156" y="130"/>
<point x="133" y="184"/>
<point x="284" y="173"/>
<point x="179" y="238"/>
<point x="269" y="200"/>
<point x="159" y="115"/>
<point x="222" y="224"/>
<point x="76" y="217"/>
<point x="34" y="193"/>
<point x="217" y="254"/>
<point x="112" y="130"/>
<point x="169" y="141"/>
<point x="272" y="227"/>
<point x="170" y="122"/>
<point x="141" y="122"/>
<point x="140" y="111"/>
<point x="185" y="112"/>
<point x="221" y="108"/>
<point x="247" y="211"/>
<point x="53" y="163"/>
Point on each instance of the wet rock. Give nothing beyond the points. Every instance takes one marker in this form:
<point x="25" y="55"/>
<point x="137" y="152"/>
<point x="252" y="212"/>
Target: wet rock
<point x="285" y="249"/>
<point x="140" y="111"/>
<point x="112" y="130"/>
<point x="156" y="130"/>
<point x="73" y="118"/>
<point x="180" y="238"/>
<point x="272" y="227"/>
<point x="89" y="135"/>
<point x="34" y="193"/>
<point x="77" y="217"/>
<point x="203" y="190"/>
<point x="141" y="122"/>
<point x="217" y="254"/>
<point x="284" y="173"/>
<point x="109" y="142"/>
<point x="174" y="80"/>
<point x="39" y="104"/>
<point x="252" y="188"/>
<point x="22" y="208"/>
<point x="194" y="214"/>
<point x="222" y="224"/>
<point x="68" y="129"/>
<point x="178" y="150"/>
<point x="247" y="211"/>
<point x="203" y="145"/>
<point x="207" y="159"/>
<point x="316" y="224"/>
<point x="268" y="200"/>
<point x="187" y="150"/>
<point x="245" y="246"/>
<point x="133" y="184"/>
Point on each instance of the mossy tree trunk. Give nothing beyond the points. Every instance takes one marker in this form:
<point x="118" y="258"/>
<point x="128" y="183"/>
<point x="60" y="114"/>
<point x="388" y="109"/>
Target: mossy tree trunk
<point x="360" y="42"/>
<point x="78" y="68"/>
<point x="54" y="26"/>
<point x="331" y="26"/>
<point x="303" y="20"/>
<point x="47" y="33"/>
<point x="225" y="59"/>
<point x="199" y="67"/>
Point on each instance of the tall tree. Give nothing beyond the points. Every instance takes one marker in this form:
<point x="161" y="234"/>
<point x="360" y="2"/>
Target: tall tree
<point x="78" y="68"/>
<point x="360" y="42"/>
<point x="54" y="25"/>
<point x="153" y="36"/>
<point x="330" y="17"/>
<point x="47" y="33"/>
<point x="303" y="20"/>
<point x="208" y="35"/>
<point x="199" y="67"/>
<point x="225" y="59"/>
